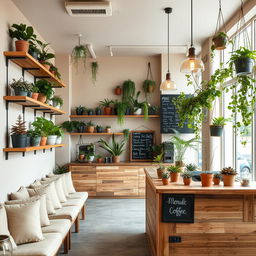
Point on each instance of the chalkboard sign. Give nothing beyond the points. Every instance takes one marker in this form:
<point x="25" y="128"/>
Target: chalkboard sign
<point x="178" y="208"/>
<point x="169" y="117"/>
<point x="141" y="143"/>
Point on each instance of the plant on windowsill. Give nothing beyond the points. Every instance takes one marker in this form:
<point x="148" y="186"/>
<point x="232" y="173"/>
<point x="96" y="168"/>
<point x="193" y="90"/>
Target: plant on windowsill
<point x="191" y="167"/>
<point x="218" y="123"/>
<point x="19" y="134"/>
<point x="187" y="177"/>
<point x="45" y="90"/>
<point x="99" y="159"/>
<point x="216" y="179"/>
<point x="174" y="173"/>
<point x="106" y="104"/>
<point x="94" y="70"/>
<point x="57" y="102"/>
<point x="228" y="176"/>
<point x="159" y="159"/>
<point x="166" y="178"/>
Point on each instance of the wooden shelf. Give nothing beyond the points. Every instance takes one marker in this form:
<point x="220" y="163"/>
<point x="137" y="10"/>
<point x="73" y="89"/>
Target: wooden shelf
<point x="35" y="104"/>
<point x="28" y="149"/>
<point x="97" y="133"/>
<point x="111" y="116"/>
<point x="32" y="66"/>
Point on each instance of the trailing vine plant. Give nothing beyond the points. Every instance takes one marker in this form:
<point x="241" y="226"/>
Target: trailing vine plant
<point x="94" y="69"/>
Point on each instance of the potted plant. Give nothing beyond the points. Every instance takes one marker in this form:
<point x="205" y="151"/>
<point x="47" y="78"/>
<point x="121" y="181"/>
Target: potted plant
<point x="74" y="126"/>
<point x="23" y="34"/>
<point x="57" y="102"/>
<point x="21" y="87"/>
<point x="181" y="146"/>
<point x="115" y="148"/>
<point x="19" y="134"/>
<point x="81" y="155"/>
<point x="121" y="110"/>
<point x="80" y="110"/>
<point x="89" y="156"/>
<point x="59" y="133"/>
<point x="118" y="90"/>
<point x="99" y="159"/>
<point x="44" y="55"/>
<point x="94" y="69"/>
<point x="216" y="129"/>
<point x="33" y="50"/>
<point x="166" y="178"/>
<point x="161" y="169"/>
<point x="220" y="41"/>
<point x="90" y="127"/>
<point x="128" y="90"/>
<point x="174" y="173"/>
<point x="153" y="110"/>
<point x="54" y="70"/>
<point x="79" y="53"/>
<point x="216" y="178"/>
<point x="245" y="182"/>
<point x="45" y="90"/>
<point x="108" y="129"/>
<point x="99" y="129"/>
<point x="35" y="138"/>
<point x="187" y="177"/>
<point x="35" y="93"/>
<point x="243" y="60"/>
<point x="139" y="107"/>
<point x="206" y="179"/>
<point x="89" y="111"/>
<point x="106" y="104"/>
<point x="191" y="167"/>
<point x="149" y="86"/>
<point x="98" y="111"/>
<point x="228" y="176"/>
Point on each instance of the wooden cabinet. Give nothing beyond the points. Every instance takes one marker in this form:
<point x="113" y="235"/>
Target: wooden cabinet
<point x="109" y="181"/>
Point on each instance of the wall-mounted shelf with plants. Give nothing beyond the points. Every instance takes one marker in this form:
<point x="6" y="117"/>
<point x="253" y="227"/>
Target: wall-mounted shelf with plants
<point x="111" y="116"/>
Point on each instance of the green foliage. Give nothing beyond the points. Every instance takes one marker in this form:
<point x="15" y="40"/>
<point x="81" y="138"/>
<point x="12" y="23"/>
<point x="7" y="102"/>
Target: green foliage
<point x="22" y="32"/>
<point x="106" y="103"/>
<point x="165" y="175"/>
<point x="45" y="88"/>
<point x="220" y="121"/>
<point x="115" y="148"/>
<point x="159" y="158"/>
<point x="44" y="55"/>
<point x="34" y="133"/>
<point x="217" y="176"/>
<point x="173" y="169"/>
<point x="242" y="52"/>
<point x="71" y="126"/>
<point x="126" y="133"/>
<point x="44" y="127"/>
<point x="121" y="108"/>
<point x="128" y="90"/>
<point x="81" y="108"/>
<point x="58" y="131"/>
<point x="181" y="145"/>
<point x="79" y="52"/>
<point x="90" y="123"/>
<point x="94" y="69"/>
<point x="60" y="169"/>
<point x="187" y="174"/>
<point x="228" y="171"/>
<point x="191" y="167"/>
<point x="56" y="71"/>
<point x="58" y="100"/>
<point x="23" y="85"/>
<point x="148" y="83"/>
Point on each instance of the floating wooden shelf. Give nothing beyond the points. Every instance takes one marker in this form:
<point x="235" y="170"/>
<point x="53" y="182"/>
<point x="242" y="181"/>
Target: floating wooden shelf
<point x="32" y="66"/>
<point x="97" y="133"/>
<point x="28" y="149"/>
<point x="112" y="116"/>
<point x="35" y="104"/>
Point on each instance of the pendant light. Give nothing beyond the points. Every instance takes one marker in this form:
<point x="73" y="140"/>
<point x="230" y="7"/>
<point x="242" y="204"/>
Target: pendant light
<point x="192" y="64"/>
<point x="168" y="84"/>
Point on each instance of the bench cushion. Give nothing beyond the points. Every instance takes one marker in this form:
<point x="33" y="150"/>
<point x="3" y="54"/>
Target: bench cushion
<point x="78" y="195"/>
<point x="61" y="226"/>
<point x="47" y="247"/>
<point x="75" y="201"/>
<point x="66" y="212"/>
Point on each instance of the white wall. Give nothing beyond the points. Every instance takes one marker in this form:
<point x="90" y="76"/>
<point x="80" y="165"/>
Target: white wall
<point x="17" y="170"/>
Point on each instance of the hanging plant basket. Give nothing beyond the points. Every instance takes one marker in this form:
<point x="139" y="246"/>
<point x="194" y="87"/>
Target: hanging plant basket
<point x="243" y="66"/>
<point x="216" y="131"/>
<point x="220" y="41"/>
<point x="149" y="84"/>
<point x="94" y="69"/>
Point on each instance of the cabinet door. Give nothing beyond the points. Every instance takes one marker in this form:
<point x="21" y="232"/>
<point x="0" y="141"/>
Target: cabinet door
<point x="84" y="179"/>
<point x="114" y="181"/>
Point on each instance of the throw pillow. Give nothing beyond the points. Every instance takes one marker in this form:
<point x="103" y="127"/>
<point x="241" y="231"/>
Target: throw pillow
<point x="22" y="193"/>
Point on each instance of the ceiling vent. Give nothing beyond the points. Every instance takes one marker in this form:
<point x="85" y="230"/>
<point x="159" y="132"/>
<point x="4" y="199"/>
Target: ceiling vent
<point x="89" y="9"/>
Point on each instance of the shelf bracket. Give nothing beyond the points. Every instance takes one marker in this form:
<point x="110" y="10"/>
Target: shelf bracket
<point x="23" y="112"/>
<point x="43" y="150"/>
<point x="34" y="152"/>
<point x="23" y="154"/>
<point x="51" y="149"/>
<point x="6" y="155"/>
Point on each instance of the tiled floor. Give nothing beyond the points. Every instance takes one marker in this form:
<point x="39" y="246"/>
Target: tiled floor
<point x="113" y="227"/>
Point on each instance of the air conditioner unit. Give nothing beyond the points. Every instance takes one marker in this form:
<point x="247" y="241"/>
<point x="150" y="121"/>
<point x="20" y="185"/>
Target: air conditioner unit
<point x="89" y="9"/>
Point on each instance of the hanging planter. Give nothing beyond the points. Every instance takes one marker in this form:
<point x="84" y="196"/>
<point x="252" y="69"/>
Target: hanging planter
<point x="94" y="69"/>
<point x="149" y="84"/>
<point x="79" y="53"/>
<point x="118" y="90"/>
<point x="218" y="123"/>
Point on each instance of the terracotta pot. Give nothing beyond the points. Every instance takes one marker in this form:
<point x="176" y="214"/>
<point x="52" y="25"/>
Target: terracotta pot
<point x="108" y="130"/>
<point x="160" y="172"/>
<point x="99" y="160"/>
<point x="216" y="181"/>
<point x="22" y="46"/>
<point x="35" y="95"/>
<point x="165" y="181"/>
<point x="228" y="180"/>
<point x="47" y="66"/>
<point x="118" y="90"/>
<point x="107" y="110"/>
<point x="179" y="163"/>
<point x="116" y="159"/>
<point x="42" y="98"/>
<point x="220" y="42"/>
<point x="175" y="176"/>
<point x="206" y="179"/>
<point x="81" y="157"/>
<point x="151" y="88"/>
<point x="187" y="181"/>
<point x="43" y="141"/>
<point x="90" y="129"/>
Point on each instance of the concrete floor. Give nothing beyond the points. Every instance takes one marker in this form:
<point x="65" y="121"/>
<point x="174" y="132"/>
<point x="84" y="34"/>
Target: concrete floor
<point x="113" y="227"/>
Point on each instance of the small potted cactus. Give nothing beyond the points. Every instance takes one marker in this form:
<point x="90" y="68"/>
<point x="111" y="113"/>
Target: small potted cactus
<point x="216" y="178"/>
<point x="166" y="178"/>
<point x="228" y="176"/>
<point x="187" y="177"/>
<point x="174" y="173"/>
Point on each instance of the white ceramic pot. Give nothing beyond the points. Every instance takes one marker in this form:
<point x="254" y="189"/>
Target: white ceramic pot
<point x="138" y="111"/>
<point x="51" y="139"/>
<point x="91" y="158"/>
<point x="58" y="140"/>
<point x="55" y="105"/>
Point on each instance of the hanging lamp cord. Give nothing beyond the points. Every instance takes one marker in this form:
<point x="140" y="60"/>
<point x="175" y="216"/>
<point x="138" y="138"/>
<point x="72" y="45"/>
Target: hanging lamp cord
<point x="168" y="41"/>
<point x="191" y="15"/>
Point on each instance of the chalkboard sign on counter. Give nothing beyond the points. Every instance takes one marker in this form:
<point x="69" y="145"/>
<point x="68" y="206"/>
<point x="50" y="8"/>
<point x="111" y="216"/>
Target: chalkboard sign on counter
<point x="169" y="116"/>
<point x="178" y="208"/>
<point x="141" y="143"/>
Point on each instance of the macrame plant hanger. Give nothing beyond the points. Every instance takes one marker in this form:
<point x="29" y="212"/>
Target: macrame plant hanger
<point x="220" y="21"/>
<point x="149" y="77"/>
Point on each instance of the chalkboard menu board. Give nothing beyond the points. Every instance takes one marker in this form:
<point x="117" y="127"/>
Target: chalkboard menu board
<point x="141" y="143"/>
<point x="169" y="116"/>
<point x="178" y="208"/>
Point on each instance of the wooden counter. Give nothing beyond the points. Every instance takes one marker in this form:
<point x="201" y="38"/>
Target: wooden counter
<point x="111" y="180"/>
<point x="224" y="219"/>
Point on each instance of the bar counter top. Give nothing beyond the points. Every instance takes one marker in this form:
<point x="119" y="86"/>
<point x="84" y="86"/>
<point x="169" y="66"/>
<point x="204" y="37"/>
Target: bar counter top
<point x="117" y="164"/>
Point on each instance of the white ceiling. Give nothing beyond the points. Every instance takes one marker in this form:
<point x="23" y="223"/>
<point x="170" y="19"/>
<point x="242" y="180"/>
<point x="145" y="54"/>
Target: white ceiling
<point x="134" y="22"/>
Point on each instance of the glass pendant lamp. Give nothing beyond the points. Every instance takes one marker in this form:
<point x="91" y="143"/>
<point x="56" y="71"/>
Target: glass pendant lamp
<point x="192" y="64"/>
<point x="168" y="84"/>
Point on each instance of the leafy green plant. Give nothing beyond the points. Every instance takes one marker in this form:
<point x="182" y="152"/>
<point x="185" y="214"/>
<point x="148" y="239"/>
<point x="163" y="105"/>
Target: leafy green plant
<point x="35" y="88"/>
<point x="44" y="55"/>
<point x="60" y="169"/>
<point x="71" y="126"/>
<point x="34" y="133"/>
<point x="128" y="90"/>
<point x="159" y="159"/>
<point x="58" y="131"/>
<point x="20" y="84"/>
<point x="45" y="88"/>
<point x="44" y="126"/>
<point x="136" y="104"/>
<point x="242" y="52"/>
<point x="22" y="32"/>
<point x="148" y="87"/>
<point x="106" y="103"/>
<point x="58" y="100"/>
<point x="217" y="176"/>
<point x="126" y="133"/>
<point x="79" y="52"/>
<point x="191" y="167"/>
<point x="187" y="175"/>
<point x="94" y="69"/>
<point x="55" y="71"/>
<point x="90" y="123"/>
<point x="174" y="169"/>
<point x="121" y="108"/>
<point x="228" y="171"/>
<point x="220" y="121"/>
<point x="115" y="148"/>
<point x="165" y="175"/>
<point x="80" y="110"/>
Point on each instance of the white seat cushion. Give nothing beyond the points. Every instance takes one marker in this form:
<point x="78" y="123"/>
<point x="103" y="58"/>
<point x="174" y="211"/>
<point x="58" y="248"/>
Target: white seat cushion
<point x="61" y="226"/>
<point x="47" y="247"/>
<point x="75" y="201"/>
<point x="78" y="195"/>
<point x="66" y="212"/>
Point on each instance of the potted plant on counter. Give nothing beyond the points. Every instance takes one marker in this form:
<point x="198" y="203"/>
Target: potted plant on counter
<point x="45" y="90"/>
<point x="166" y="178"/>
<point x="81" y="155"/>
<point x="228" y="176"/>
<point x="174" y="173"/>
<point x="89" y="156"/>
<point x="115" y="148"/>
<point x="80" y="110"/>
<point x="218" y="123"/>
<point x="187" y="177"/>
<point x="19" y="134"/>
<point x="216" y="179"/>
<point x="106" y="104"/>
<point x="20" y="87"/>
<point x="90" y="127"/>
<point x="99" y="159"/>
<point x="23" y="34"/>
<point x="57" y="102"/>
<point x="161" y="168"/>
<point x="44" y="55"/>
<point x="206" y="179"/>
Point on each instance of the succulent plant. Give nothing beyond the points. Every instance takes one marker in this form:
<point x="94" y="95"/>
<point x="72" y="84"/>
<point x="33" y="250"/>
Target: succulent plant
<point x="173" y="169"/>
<point x="217" y="176"/>
<point x="228" y="171"/>
<point x="187" y="174"/>
<point x="191" y="167"/>
<point x="165" y="175"/>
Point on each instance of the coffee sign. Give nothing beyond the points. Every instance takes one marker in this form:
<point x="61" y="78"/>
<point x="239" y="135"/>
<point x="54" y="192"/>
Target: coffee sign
<point x="178" y="208"/>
